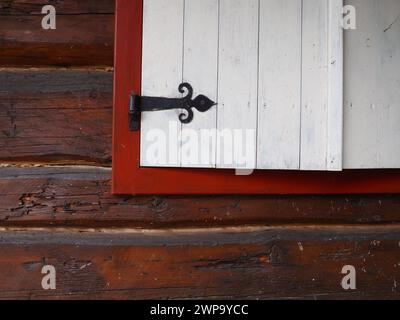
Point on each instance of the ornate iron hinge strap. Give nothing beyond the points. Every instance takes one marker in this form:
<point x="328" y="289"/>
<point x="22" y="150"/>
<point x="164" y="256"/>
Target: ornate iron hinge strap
<point x="139" y="104"/>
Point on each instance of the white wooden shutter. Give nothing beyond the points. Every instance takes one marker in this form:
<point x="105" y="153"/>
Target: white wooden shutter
<point x="274" y="67"/>
<point x="372" y="86"/>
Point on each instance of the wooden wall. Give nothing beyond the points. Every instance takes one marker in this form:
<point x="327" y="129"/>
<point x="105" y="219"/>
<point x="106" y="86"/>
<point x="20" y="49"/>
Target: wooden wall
<point x="56" y="207"/>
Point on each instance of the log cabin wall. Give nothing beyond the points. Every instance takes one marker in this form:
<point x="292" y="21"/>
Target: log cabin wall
<point x="56" y="207"/>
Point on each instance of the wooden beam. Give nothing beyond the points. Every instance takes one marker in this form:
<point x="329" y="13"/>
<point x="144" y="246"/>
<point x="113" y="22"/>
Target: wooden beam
<point x="235" y="263"/>
<point x="80" y="196"/>
<point x="84" y="34"/>
<point x="56" y="115"/>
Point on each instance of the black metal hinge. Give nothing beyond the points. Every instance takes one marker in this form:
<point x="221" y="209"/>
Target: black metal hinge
<point x="139" y="104"/>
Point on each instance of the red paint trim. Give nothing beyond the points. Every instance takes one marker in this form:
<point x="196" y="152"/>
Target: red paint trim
<point x="129" y="178"/>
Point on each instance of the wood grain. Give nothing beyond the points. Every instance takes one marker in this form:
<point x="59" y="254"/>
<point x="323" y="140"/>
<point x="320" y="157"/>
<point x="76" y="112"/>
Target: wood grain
<point x="67" y="216"/>
<point x="26" y="7"/>
<point x="55" y="115"/>
<point x="80" y="196"/>
<point x="234" y="263"/>
<point x="84" y="34"/>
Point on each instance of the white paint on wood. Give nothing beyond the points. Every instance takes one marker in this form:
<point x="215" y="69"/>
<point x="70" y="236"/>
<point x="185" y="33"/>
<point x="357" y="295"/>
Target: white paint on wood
<point x="334" y="157"/>
<point x="279" y="85"/>
<point x="321" y="89"/>
<point x="200" y="69"/>
<point x="314" y="85"/>
<point x="237" y="83"/>
<point x="161" y="76"/>
<point x="273" y="66"/>
<point x="372" y="86"/>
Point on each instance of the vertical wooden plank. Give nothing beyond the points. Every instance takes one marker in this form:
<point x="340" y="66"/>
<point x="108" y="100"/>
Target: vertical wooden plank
<point x="279" y="85"/>
<point x="335" y="87"/>
<point x="161" y="76"/>
<point x="314" y="85"/>
<point x="321" y="86"/>
<point x="237" y="83"/>
<point x="372" y="86"/>
<point x="200" y="68"/>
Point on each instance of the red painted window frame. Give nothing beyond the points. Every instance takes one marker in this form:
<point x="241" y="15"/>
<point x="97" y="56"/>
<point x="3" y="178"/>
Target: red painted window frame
<point x="130" y="178"/>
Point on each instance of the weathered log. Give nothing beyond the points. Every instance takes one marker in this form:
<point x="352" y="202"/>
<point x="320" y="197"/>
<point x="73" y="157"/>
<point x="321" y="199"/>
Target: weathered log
<point x="84" y="34"/>
<point x="55" y="115"/>
<point x="80" y="196"/>
<point x="235" y="263"/>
